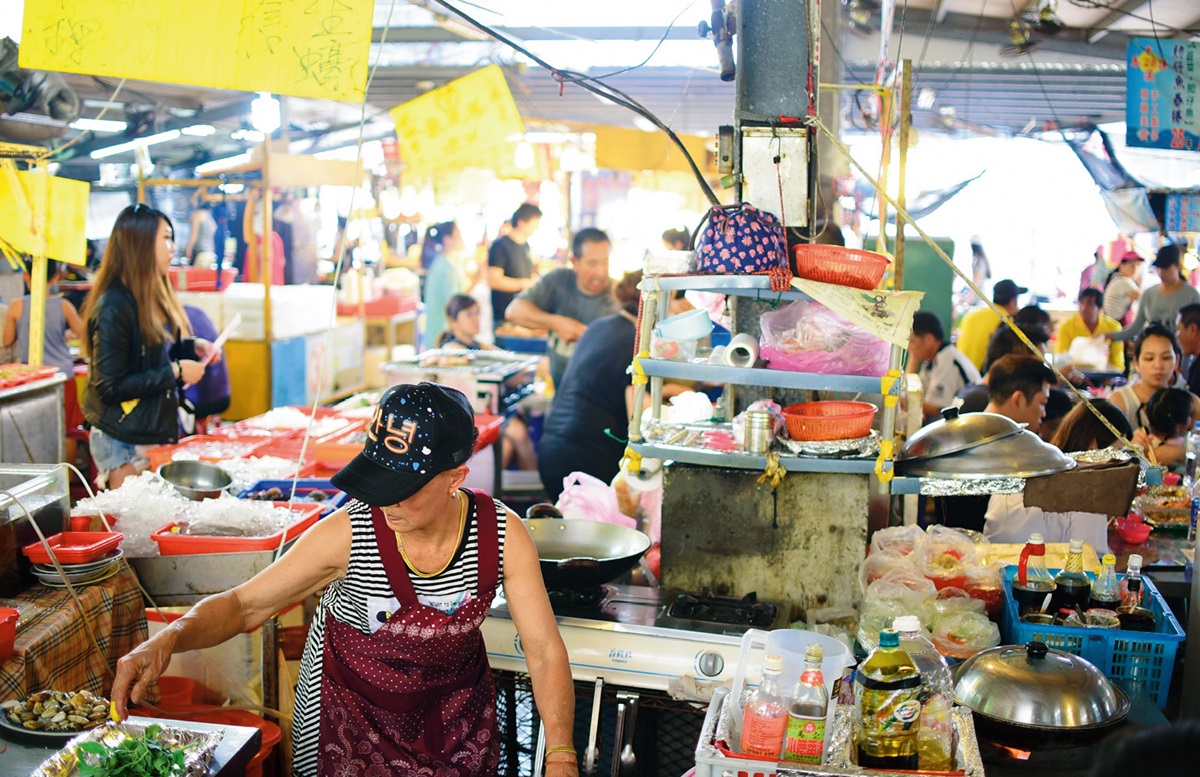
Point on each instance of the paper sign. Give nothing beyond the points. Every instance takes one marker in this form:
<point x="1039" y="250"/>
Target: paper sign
<point x="887" y="314"/>
<point x="465" y="119"/>
<point x="618" y="148"/>
<point x="1162" y="78"/>
<point x="306" y="48"/>
<point x="22" y="195"/>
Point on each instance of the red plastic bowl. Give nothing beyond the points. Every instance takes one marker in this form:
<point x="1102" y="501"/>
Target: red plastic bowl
<point x="1133" y="532"/>
<point x="8" y="632"/>
<point x="832" y="420"/>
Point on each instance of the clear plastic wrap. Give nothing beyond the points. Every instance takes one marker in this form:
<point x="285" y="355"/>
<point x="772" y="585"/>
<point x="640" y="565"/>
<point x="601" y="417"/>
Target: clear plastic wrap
<point x="952" y="601"/>
<point x="945" y="557"/>
<point x="964" y="634"/>
<point x="879" y="563"/>
<point x="899" y="592"/>
<point x="905" y="540"/>
<point x="809" y="337"/>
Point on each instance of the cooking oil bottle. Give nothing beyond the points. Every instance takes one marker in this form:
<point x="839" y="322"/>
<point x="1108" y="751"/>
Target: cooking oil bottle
<point x="888" y="692"/>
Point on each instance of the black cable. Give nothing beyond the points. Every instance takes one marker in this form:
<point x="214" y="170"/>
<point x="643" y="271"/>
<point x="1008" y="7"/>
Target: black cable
<point x="608" y="92"/>
<point x="657" y="46"/>
<point x="1094" y="5"/>
<point x="1038" y="75"/>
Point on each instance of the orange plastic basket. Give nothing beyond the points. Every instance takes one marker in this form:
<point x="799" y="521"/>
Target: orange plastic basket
<point x="843" y="266"/>
<point x="835" y="420"/>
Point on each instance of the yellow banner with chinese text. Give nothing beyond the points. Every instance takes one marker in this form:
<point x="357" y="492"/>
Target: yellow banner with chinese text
<point x="23" y="195"/>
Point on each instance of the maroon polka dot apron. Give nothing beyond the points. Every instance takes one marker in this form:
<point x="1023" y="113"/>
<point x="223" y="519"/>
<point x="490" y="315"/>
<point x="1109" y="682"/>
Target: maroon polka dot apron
<point x="415" y="697"/>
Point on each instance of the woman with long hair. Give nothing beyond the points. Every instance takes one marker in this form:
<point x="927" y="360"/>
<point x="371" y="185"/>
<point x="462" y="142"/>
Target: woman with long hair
<point x="139" y="345"/>
<point x="440" y="278"/>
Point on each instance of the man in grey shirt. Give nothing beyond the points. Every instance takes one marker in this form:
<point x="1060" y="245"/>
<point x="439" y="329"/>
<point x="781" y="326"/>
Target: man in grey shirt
<point x="565" y="300"/>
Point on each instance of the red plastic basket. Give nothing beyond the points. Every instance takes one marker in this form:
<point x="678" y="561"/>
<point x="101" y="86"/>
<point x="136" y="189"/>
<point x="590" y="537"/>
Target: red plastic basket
<point x="74" y="547"/>
<point x="171" y="543"/>
<point x="843" y="266"/>
<point x="834" y="420"/>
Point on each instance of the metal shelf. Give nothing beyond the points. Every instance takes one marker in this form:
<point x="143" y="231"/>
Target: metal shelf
<point x="740" y="285"/>
<point x="707" y="458"/>
<point x="718" y="373"/>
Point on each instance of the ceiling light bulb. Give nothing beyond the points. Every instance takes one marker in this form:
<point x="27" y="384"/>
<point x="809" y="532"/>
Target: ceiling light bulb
<point x="265" y="113"/>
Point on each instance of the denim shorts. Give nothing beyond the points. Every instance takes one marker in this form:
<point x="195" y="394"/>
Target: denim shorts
<point x="109" y="453"/>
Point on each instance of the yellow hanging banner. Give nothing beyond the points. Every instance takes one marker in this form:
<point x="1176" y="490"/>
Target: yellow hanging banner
<point x="618" y="148"/>
<point x="21" y="197"/>
<point x="306" y="48"/>
<point x="464" y="120"/>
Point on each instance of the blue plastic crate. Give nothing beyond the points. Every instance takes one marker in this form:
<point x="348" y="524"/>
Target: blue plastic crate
<point x="521" y="344"/>
<point x="303" y="486"/>
<point x="1138" y="661"/>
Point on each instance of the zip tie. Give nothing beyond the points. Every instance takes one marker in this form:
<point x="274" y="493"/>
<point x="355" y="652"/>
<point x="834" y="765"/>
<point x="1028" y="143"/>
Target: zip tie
<point x="631" y="462"/>
<point x="887" y="385"/>
<point x="639" y="373"/>
<point x="883" y="465"/>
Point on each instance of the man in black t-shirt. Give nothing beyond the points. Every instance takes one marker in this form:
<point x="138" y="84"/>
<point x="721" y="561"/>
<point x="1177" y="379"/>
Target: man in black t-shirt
<point x="1187" y="329"/>
<point x="510" y="267"/>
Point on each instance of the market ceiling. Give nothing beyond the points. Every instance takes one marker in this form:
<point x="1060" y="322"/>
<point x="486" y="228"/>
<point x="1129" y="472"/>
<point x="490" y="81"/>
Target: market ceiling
<point x="976" y="71"/>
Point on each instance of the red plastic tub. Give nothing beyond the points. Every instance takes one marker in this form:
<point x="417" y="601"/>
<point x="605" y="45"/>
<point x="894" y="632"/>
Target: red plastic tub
<point x="175" y="692"/>
<point x="74" y="547"/>
<point x="172" y="543"/>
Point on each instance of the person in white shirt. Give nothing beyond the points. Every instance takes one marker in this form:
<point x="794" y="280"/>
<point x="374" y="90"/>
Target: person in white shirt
<point x="943" y="369"/>
<point x="1123" y="288"/>
<point x="1009" y="520"/>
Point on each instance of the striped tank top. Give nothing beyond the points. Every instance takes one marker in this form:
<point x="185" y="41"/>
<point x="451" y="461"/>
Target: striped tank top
<point x="364" y="599"/>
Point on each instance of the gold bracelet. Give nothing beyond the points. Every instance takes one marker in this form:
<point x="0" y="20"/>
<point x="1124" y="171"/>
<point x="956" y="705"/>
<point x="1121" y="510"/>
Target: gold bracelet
<point x="561" y="749"/>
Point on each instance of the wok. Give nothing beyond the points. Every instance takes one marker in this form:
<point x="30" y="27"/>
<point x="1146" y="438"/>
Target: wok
<point x="582" y="554"/>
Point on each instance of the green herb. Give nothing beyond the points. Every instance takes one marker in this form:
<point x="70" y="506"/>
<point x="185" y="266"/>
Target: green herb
<point x="140" y="756"/>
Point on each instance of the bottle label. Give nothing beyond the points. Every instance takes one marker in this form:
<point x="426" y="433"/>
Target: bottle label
<point x="762" y="735"/>
<point x="813" y="678"/>
<point x="805" y="740"/>
<point x="890" y="713"/>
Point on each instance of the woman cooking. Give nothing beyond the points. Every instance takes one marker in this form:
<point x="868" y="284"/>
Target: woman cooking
<point x="394" y="678"/>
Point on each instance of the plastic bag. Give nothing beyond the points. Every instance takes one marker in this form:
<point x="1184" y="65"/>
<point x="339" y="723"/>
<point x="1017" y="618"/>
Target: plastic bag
<point x="879" y="563"/>
<point x="1089" y="353"/>
<point x="809" y="337"/>
<point x="965" y="634"/>
<point x="986" y="583"/>
<point x="945" y="557"/>
<point x="952" y="601"/>
<point x="586" y="498"/>
<point x="904" y="540"/>
<point x="899" y="592"/>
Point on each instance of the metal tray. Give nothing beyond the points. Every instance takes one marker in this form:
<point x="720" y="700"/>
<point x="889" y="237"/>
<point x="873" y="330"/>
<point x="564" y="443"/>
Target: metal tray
<point x="199" y="745"/>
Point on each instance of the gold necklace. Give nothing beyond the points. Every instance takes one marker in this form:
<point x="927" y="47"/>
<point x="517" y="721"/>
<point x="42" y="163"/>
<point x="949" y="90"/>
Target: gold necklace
<point x="462" y="522"/>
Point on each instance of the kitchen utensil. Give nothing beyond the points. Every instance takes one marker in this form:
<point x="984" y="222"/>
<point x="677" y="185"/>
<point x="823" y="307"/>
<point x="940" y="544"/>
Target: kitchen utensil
<point x="583" y="554"/>
<point x="1020" y="455"/>
<point x="591" y="756"/>
<point x="627" y="758"/>
<point x="759" y="431"/>
<point x="829" y="420"/>
<point x="618" y="738"/>
<point x="196" y="480"/>
<point x="691" y="325"/>
<point x="955" y="433"/>
<point x="1033" y="696"/>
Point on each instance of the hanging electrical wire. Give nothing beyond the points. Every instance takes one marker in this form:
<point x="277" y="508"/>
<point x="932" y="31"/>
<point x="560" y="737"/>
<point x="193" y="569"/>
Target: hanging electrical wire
<point x="599" y="88"/>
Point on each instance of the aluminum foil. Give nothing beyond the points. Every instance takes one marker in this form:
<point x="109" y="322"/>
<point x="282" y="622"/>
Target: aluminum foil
<point x="971" y="487"/>
<point x="200" y="746"/>
<point x="841" y="746"/>
<point x="857" y="447"/>
<point x="1103" y="454"/>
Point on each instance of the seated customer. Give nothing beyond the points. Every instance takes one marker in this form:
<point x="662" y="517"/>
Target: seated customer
<point x="1009" y="520"/>
<point x="942" y="368"/>
<point x="1168" y="416"/>
<point x="974" y="398"/>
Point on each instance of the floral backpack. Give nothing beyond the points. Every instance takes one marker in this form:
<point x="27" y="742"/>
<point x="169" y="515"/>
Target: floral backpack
<point x="743" y="240"/>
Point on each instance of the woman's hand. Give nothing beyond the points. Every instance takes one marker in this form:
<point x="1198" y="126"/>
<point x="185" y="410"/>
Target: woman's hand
<point x="204" y="348"/>
<point x="139" y="668"/>
<point x="190" y="372"/>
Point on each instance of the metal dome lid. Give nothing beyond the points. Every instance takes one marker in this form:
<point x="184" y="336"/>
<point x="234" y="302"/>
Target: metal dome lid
<point x="957" y="432"/>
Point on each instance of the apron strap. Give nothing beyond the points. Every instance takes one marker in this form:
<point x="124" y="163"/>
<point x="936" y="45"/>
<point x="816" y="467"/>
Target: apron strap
<point x="489" y="540"/>
<point x="393" y="562"/>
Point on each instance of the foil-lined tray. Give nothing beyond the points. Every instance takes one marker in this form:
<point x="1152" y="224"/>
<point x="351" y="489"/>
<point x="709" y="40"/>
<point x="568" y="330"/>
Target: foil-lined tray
<point x="198" y="745"/>
<point x="840" y="748"/>
<point x="858" y="446"/>
<point x="691" y="435"/>
<point x="971" y="487"/>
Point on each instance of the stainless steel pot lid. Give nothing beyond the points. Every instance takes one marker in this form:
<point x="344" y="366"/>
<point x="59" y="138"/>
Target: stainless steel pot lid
<point x="955" y="433"/>
<point x="1037" y="686"/>
<point x="1019" y="455"/>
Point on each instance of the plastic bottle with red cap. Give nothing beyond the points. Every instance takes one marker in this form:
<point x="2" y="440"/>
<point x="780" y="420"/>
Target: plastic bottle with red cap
<point x="1033" y="587"/>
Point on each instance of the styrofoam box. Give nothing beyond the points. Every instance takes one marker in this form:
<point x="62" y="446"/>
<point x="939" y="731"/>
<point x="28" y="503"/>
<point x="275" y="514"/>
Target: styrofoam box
<point x="295" y="310"/>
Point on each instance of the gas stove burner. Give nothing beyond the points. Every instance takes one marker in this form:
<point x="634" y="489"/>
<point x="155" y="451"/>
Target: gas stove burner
<point x="1064" y="760"/>
<point x="747" y="611"/>
<point x="577" y="599"/>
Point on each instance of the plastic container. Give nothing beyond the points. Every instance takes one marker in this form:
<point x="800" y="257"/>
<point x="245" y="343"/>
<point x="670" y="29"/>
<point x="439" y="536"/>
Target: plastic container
<point x="172" y="543"/>
<point x="8" y="632"/>
<point x="71" y="547"/>
<point x="691" y="325"/>
<point x="832" y="420"/>
<point x="175" y="693"/>
<point x="17" y="374"/>
<point x="843" y="266"/>
<point x="672" y="350"/>
<point x="304" y="487"/>
<point x="210" y="448"/>
<point x="201" y="278"/>
<point x="1128" y="658"/>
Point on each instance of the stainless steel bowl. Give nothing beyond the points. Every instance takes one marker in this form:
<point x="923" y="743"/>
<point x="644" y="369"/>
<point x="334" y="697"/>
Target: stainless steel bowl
<point x="1038" y="687"/>
<point x="955" y="433"/>
<point x="1019" y="455"/>
<point x="196" y="479"/>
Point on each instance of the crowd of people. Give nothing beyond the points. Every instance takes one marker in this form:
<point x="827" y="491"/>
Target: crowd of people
<point x="1147" y="390"/>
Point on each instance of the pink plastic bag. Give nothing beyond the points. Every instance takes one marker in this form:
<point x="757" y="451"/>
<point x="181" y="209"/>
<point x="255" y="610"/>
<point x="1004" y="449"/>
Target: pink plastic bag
<point x="809" y="337"/>
<point x="586" y="498"/>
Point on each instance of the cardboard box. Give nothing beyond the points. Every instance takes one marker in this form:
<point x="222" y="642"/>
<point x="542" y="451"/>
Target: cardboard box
<point x="1106" y="487"/>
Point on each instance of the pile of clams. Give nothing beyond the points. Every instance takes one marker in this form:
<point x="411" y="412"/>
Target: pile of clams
<point x="57" y="711"/>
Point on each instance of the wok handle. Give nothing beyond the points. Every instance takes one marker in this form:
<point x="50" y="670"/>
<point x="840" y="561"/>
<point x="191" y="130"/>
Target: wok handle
<point x="542" y="510"/>
<point x="579" y="562"/>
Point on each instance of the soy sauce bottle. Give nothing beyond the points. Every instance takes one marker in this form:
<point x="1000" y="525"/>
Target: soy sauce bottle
<point x="1072" y="587"/>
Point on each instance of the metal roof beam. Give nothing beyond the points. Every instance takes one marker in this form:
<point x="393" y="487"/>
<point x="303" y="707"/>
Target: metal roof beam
<point x="958" y="26"/>
<point x="442" y="35"/>
<point x="1118" y="12"/>
<point x="236" y="108"/>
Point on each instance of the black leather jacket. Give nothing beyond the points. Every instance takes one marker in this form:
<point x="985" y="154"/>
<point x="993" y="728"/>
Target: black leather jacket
<point x="124" y="368"/>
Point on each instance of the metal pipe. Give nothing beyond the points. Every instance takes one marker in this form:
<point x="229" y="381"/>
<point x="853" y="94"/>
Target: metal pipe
<point x="905" y="128"/>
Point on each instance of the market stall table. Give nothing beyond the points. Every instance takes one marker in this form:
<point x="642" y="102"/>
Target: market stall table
<point x="53" y="650"/>
<point x="1164" y="556"/>
<point x="238" y="745"/>
<point x="32" y="422"/>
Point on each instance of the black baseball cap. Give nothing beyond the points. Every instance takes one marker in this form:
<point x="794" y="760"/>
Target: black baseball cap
<point x="418" y="432"/>
<point x="1005" y="291"/>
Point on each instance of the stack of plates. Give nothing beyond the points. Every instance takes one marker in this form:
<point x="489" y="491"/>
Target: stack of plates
<point x="79" y="574"/>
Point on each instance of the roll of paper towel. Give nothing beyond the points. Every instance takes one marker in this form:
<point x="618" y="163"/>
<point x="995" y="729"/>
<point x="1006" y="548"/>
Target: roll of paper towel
<point x="742" y="351"/>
